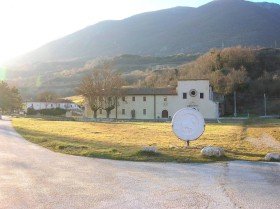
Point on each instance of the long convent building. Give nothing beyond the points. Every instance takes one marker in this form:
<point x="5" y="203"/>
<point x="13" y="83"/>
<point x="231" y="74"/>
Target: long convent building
<point x="163" y="103"/>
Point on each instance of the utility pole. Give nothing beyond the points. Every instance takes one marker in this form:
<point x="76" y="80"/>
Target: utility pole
<point x="264" y="96"/>
<point x="116" y="98"/>
<point x="155" y="112"/>
<point x="234" y="98"/>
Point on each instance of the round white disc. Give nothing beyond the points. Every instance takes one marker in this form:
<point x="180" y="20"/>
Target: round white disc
<point x="188" y="124"/>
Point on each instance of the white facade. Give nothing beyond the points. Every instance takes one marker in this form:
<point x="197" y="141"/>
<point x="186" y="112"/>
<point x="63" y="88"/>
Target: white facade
<point x="51" y="105"/>
<point x="149" y="106"/>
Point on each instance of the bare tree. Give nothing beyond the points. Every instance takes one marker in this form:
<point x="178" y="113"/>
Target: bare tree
<point x="101" y="90"/>
<point x="46" y="96"/>
<point x="161" y="78"/>
<point x="90" y="88"/>
<point x="236" y="79"/>
<point x="111" y="83"/>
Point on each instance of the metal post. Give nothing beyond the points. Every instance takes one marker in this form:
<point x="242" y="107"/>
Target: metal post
<point x="117" y="108"/>
<point x="155" y="116"/>
<point x="264" y="96"/>
<point x="234" y="97"/>
<point x="187" y="144"/>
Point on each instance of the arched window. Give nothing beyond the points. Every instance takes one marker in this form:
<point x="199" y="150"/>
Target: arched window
<point x="164" y="114"/>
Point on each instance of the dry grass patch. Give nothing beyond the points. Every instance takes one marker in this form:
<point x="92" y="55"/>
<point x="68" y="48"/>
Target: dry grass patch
<point x="125" y="140"/>
<point x="257" y="128"/>
<point x="264" y="134"/>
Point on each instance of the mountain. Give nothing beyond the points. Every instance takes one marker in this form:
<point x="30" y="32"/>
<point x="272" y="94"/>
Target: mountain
<point x="171" y="31"/>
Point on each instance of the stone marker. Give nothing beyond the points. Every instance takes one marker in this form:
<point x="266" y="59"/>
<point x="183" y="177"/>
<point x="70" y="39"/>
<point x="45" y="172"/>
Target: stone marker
<point x="272" y="157"/>
<point x="213" y="151"/>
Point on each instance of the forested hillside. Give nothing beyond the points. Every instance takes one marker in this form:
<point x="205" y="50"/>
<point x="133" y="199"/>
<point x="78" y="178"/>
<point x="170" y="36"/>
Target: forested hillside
<point x="251" y="72"/>
<point x="63" y="77"/>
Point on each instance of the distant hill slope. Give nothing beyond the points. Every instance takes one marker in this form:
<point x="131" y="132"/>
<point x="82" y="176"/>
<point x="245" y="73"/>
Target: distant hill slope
<point x="63" y="77"/>
<point x="171" y="31"/>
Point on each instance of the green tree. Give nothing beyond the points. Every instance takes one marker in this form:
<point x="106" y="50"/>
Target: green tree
<point x="10" y="99"/>
<point x="15" y="99"/>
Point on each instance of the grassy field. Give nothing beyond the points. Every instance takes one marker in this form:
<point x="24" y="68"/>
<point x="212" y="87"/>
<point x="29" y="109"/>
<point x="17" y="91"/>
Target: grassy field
<point x="124" y="141"/>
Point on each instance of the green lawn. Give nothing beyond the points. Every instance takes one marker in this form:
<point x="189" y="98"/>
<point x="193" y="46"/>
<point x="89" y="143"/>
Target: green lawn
<point x="125" y="140"/>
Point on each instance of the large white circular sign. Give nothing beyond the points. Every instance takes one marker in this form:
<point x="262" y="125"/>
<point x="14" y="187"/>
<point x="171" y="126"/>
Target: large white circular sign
<point x="188" y="124"/>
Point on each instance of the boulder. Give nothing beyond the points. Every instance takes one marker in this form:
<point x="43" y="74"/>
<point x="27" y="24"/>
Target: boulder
<point x="272" y="157"/>
<point x="213" y="151"/>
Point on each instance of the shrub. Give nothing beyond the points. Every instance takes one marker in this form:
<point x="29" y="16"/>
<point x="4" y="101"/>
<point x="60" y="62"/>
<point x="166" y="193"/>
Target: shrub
<point x="148" y="153"/>
<point x="31" y="111"/>
<point x="53" y="112"/>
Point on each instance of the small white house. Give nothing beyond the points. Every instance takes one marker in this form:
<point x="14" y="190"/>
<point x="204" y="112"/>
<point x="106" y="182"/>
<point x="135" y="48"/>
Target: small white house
<point x="67" y="105"/>
<point x="163" y="103"/>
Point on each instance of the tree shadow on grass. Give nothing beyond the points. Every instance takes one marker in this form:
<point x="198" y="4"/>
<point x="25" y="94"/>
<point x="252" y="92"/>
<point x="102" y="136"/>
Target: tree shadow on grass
<point x="51" y="118"/>
<point x="246" y="154"/>
<point x="90" y="148"/>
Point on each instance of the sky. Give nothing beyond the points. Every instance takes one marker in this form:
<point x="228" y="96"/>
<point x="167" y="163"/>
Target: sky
<point x="29" y="24"/>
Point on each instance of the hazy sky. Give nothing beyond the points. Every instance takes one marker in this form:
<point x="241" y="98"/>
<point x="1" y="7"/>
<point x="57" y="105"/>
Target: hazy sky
<point x="28" y="24"/>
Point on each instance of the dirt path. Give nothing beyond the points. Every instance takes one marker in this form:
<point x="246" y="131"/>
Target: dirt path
<point x="265" y="141"/>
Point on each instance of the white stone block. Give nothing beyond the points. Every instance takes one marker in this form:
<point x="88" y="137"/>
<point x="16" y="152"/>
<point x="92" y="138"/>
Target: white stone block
<point x="150" y="149"/>
<point x="213" y="151"/>
<point x="272" y="157"/>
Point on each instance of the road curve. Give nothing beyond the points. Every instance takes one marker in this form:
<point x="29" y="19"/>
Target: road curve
<point x="34" y="177"/>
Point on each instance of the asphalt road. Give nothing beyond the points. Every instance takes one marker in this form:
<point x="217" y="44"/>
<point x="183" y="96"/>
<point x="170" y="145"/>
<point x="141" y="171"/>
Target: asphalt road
<point x="34" y="177"/>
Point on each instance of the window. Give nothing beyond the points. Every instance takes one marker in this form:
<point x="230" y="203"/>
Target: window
<point x="165" y="99"/>
<point x="123" y="111"/>
<point x="100" y="111"/>
<point x="144" y="111"/>
<point x="201" y="95"/>
<point x="144" y="99"/>
<point x="184" y="95"/>
<point x="193" y="92"/>
<point x="123" y="99"/>
<point x="133" y="99"/>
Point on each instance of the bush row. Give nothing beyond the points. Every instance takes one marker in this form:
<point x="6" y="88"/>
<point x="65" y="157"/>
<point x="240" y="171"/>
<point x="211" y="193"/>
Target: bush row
<point x="51" y="112"/>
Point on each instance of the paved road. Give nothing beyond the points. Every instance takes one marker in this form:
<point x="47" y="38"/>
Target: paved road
<point x="34" y="177"/>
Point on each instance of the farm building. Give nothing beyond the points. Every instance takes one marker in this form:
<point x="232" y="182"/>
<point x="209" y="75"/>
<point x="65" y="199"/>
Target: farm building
<point x="163" y="103"/>
<point x="63" y="104"/>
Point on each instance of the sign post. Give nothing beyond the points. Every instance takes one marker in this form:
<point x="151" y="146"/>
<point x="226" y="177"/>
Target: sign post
<point x="188" y="124"/>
